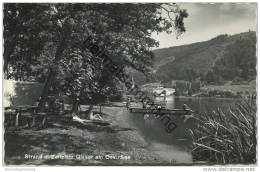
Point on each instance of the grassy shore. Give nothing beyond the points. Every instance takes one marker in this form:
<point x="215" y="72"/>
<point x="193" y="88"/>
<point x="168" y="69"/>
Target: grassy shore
<point x="117" y="144"/>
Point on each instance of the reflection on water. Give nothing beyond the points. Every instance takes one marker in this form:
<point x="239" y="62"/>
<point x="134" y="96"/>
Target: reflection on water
<point x="176" y="145"/>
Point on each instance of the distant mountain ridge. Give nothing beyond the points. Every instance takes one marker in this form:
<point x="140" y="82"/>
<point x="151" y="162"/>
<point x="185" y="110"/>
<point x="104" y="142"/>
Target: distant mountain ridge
<point x="188" y="62"/>
<point x="194" y="60"/>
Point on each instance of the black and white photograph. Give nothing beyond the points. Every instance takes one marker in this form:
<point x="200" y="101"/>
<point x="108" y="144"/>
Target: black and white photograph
<point x="129" y="84"/>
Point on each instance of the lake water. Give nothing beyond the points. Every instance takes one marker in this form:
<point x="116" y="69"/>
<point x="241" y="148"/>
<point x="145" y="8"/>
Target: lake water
<point x="177" y="144"/>
<point x="201" y="104"/>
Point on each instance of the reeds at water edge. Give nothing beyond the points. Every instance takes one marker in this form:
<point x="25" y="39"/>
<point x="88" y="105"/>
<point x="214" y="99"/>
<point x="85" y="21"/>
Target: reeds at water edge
<point x="226" y="137"/>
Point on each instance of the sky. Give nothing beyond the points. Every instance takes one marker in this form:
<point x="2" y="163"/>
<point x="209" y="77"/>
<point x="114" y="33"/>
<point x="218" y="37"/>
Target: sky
<point x="208" y="20"/>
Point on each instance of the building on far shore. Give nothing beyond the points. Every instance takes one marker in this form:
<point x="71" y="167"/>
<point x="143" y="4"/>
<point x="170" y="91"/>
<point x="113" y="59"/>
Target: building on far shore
<point x="186" y="87"/>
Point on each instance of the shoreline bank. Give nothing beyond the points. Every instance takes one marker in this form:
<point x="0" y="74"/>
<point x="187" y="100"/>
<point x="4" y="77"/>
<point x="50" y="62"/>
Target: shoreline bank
<point x="121" y="143"/>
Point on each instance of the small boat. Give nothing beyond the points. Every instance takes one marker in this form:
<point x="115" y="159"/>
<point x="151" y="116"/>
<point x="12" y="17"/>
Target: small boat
<point x="100" y="122"/>
<point x="92" y="121"/>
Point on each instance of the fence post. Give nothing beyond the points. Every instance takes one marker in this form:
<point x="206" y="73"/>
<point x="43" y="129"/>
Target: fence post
<point x="17" y="118"/>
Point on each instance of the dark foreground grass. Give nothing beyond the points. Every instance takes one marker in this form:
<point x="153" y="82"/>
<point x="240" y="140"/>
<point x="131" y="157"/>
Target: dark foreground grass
<point x="63" y="136"/>
<point x="226" y="137"/>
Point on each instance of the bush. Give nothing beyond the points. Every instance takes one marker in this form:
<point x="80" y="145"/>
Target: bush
<point x="226" y="137"/>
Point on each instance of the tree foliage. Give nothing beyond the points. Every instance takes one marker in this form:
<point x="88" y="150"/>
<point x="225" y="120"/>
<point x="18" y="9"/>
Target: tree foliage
<point x="44" y="42"/>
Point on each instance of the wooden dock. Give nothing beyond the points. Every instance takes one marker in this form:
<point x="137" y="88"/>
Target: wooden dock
<point x="177" y="112"/>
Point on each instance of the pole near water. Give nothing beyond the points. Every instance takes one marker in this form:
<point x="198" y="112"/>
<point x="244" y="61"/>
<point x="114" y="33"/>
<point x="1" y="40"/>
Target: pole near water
<point x="17" y="119"/>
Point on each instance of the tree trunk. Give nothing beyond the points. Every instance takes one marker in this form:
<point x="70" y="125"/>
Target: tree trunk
<point x="75" y="106"/>
<point x="46" y="88"/>
<point x="90" y="109"/>
<point x="52" y="73"/>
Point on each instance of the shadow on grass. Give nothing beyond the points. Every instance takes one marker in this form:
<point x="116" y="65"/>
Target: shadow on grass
<point x="17" y="144"/>
<point x="61" y="135"/>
